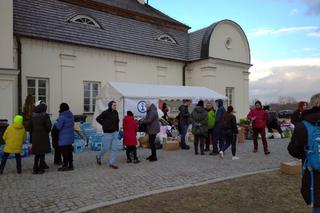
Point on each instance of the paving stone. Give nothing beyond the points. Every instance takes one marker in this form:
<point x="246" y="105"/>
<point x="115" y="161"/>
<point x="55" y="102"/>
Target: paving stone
<point x="90" y="184"/>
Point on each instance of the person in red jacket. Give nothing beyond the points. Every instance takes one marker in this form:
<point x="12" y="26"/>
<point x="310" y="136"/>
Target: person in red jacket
<point x="130" y="127"/>
<point x="259" y="118"/>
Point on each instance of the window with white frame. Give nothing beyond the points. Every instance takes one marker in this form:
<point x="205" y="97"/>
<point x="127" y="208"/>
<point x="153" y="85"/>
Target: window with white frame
<point x="230" y="95"/>
<point x="86" y="20"/>
<point x="90" y="92"/>
<point x="38" y="88"/>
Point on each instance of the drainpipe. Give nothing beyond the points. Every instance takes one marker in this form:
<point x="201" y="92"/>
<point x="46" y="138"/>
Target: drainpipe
<point x="19" y="76"/>
<point x="184" y="73"/>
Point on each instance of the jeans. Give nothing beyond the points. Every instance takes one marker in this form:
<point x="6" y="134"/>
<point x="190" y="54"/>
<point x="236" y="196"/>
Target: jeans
<point x="110" y="144"/>
<point x="316" y="210"/>
<point x="67" y="155"/>
<point x="183" y="133"/>
<point x="4" y="161"/>
<point x="152" y="138"/>
<point x="231" y="139"/>
<point x="218" y="139"/>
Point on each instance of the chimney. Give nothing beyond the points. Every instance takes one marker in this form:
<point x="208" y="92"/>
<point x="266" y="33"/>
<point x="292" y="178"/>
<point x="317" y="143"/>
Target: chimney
<point x="141" y="2"/>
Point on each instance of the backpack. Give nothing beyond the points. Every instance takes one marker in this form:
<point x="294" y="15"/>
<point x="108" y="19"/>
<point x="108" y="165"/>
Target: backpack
<point x="312" y="152"/>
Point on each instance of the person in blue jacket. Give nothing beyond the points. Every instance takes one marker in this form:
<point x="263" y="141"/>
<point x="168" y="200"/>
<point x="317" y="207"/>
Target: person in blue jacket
<point x="65" y="125"/>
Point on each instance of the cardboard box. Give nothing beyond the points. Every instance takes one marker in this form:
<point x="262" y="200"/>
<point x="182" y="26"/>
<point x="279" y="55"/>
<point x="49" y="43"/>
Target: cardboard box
<point x="190" y="138"/>
<point x="291" y="168"/>
<point x="144" y="141"/>
<point x="241" y="135"/>
<point x="171" y="145"/>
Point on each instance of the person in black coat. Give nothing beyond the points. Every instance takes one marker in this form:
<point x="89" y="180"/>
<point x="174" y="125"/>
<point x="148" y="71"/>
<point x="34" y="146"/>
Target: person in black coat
<point x="230" y="129"/>
<point x="296" y="148"/>
<point x="40" y="127"/>
<point x="184" y="121"/>
<point x="297" y="115"/>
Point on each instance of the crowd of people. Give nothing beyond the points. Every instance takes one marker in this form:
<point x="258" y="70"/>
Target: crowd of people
<point x="209" y="127"/>
<point x="37" y="122"/>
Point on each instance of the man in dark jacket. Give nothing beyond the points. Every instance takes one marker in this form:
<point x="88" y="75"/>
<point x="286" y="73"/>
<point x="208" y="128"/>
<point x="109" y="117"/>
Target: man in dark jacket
<point x="296" y="149"/>
<point x="153" y="128"/>
<point x="184" y="117"/>
<point x="109" y="119"/>
<point x="218" y="137"/>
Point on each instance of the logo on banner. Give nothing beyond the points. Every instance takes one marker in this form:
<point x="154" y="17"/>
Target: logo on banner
<point x="141" y="106"/>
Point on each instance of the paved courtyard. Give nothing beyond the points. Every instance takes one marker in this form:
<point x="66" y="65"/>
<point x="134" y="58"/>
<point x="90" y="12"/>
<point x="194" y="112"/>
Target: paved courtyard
<point x="90" y="184"/>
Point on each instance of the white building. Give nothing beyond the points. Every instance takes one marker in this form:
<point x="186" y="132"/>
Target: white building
<point x="66" y="50"/>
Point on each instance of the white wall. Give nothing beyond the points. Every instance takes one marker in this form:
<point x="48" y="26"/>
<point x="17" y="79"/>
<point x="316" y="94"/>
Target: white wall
<point x="217" y="75"/>
<point x="6" y="34"/>
<point x="238" y="49"/>
<point x="67" y="66"/>
<point x="8" y="94"/>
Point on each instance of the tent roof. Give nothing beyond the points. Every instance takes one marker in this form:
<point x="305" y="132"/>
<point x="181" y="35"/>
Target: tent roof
<point x="165" y="92"/>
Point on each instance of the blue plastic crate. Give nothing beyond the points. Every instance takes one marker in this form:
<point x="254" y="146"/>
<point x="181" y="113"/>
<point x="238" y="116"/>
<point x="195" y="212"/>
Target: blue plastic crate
<point x="25" y="150"/>
<point x="78" y="146"/>
<point x="28" y="138"/>
<point x="84" y="126"/>
<point x="76" y="136"/>
<point x="96" y="146"/>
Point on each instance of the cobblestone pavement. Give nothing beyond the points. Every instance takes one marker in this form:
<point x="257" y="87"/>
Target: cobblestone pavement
<point x="90" y="184"/>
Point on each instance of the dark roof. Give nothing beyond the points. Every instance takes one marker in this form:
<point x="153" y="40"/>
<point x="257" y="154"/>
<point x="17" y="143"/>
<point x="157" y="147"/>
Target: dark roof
<point x="195" y="43"/>
<point x="49" y="20"/>
<point x="134" y="5"/>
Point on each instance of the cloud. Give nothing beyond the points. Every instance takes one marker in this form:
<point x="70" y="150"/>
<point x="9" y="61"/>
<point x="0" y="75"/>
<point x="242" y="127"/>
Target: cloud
<point x="298" y="78"/>
<point x="311" y="30"/>
<point x="294" y="12"/>
<point x="309" y="49"/>
<point x="314" y="34"/>
<point x="295" y="29"/>
<point x="313" y="7"/>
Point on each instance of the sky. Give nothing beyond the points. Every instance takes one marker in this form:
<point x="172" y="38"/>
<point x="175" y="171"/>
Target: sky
<point x="284" y="39"/>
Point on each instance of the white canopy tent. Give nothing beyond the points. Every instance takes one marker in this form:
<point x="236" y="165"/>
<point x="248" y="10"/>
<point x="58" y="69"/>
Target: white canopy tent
<point x="130" y="96"/>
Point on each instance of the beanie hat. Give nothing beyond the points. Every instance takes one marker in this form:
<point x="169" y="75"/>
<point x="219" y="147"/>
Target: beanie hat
<point x="18" y="119"/>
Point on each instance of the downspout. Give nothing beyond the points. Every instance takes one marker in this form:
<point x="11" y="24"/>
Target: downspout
<point x="19" y="75"/>
<point x="184" y="73"/>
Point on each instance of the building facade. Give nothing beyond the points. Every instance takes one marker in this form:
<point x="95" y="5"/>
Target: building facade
<point x="66" y="50"/>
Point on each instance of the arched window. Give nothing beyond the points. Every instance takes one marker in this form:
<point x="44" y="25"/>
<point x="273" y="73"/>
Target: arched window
<point x="86" y="20"/>
<point x="167" y="38"/>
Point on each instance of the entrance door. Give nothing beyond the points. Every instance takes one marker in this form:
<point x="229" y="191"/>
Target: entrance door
<point x="6" y="100"/>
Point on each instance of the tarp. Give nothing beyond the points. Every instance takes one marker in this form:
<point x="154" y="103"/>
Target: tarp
<point x="138" y="93"/>
<point x="163" y="92"/>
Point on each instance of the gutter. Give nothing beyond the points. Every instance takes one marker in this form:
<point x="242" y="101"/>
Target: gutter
<point x="19" y="76"/>
<point x="184" y="73"/>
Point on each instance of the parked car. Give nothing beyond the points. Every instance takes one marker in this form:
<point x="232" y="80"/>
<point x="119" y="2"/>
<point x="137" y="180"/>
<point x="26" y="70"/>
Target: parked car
<point x="285" y="113"/>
